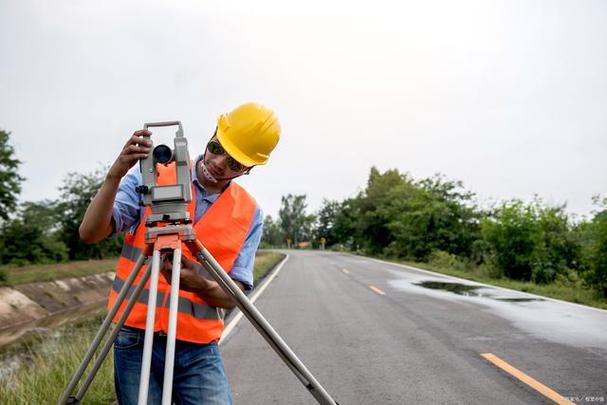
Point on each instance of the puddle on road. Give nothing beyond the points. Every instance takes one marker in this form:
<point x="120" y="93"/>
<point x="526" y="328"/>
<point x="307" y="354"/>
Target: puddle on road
<point x="519" y="299"/>
<point x="459" y="289"/>
<point x="469" y="291"/>
<point x="551" y="320"/>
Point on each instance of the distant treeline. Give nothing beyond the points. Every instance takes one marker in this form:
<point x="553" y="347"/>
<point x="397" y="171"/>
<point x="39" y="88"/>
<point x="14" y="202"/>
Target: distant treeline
<point x="430" y="220"/>
<point x="436" y="220"/>
<point x="45" y="231"/>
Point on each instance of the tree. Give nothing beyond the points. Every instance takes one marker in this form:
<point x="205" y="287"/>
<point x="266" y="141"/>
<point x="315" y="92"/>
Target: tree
<point x="400" y="217"/>
<point x="10" y="181"/>
<point x="294" y="222"/>
<point x="595" y="249"/>
<point x="76" y="193"/>
<point x="343" y="230"/>
<point x="272" y="234"/>
<point x="32" y="236"/>
<point x="556" y="247"/>
<point x="429" y="215"/>
<point x="531" y="241"/>
<point x="374" y="208"/>
<point x="325" y="221"/>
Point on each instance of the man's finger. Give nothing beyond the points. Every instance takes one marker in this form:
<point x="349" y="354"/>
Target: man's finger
<point x="166" y="273"/>
<point x="142" y="132"/>
<point x="185" y="262"/>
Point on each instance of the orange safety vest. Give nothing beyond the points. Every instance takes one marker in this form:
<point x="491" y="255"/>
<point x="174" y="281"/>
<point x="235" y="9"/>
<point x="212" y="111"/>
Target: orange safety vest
<point x="222" y="230"/>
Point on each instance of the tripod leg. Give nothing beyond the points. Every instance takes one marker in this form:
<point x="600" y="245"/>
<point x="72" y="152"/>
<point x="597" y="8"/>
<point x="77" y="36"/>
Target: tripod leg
<point x="253" y="315"/>
<point x="144" y="378"/>
<point x="167" y="386"/>
<point x="108" y="344"/>
<point x="262" y="325"/>
<point x="102" y="331"/>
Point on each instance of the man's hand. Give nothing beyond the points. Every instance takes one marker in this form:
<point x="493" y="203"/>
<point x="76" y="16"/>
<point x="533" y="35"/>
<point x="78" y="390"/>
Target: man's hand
<point x="194" y="278"/>
<point x="97" y="223"/>
<point x="190" y="277"/>
<point x="136" y="148"/>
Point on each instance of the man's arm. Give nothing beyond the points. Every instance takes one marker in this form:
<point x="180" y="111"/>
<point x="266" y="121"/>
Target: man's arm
<point x="196" y="279"/>
<point x="97" y="223"/>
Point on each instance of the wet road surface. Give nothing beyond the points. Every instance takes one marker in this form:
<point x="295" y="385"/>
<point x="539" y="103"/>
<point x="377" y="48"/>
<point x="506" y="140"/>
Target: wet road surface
<point x="373" y="332"/>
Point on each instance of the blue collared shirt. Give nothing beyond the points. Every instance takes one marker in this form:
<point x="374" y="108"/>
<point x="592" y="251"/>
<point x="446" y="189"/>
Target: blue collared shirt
<point x="128" y="213"/>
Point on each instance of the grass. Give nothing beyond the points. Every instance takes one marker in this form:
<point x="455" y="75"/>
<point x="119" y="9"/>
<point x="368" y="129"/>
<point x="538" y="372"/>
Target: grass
<point x="50" y="272"/>
<point x="49" y="362"/>
<point x="567" y="291"/>
<point x="264" y="261"/>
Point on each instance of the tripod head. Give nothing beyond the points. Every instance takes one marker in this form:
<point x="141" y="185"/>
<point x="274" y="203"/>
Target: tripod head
<point x="168" y="202"/>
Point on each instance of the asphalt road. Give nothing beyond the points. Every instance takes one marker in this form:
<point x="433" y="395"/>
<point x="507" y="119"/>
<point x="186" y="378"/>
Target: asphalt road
<point x="400" y="342"/>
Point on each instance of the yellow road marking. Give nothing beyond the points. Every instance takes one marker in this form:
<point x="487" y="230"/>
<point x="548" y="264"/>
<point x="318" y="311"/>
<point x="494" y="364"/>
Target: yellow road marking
<point x="377" y="290"/>
<point x="345" y="271"/>
<point x="533" y="383"/>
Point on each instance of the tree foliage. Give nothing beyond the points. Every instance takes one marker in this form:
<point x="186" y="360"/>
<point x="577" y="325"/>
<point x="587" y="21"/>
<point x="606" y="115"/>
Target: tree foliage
<point x="531" y="241"/>
<point x="295" y="223"/>
<point x="32" y="236"/>
<point x="398" y="216"/>
<point x="47" y="231"/>
<point x="594" y="248"/>
<point x="433" y="219"/>
<point x="325" y="221"/>
<point x="432" y="214"/>
<point x="76" y="193"/>
<point x="10" y="180"/>
<point x="273" y="235"/>
<point x="344" y="230"/>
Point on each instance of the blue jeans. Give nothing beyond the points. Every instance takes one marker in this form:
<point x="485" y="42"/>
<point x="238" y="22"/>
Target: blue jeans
<point x="198" y="377"/>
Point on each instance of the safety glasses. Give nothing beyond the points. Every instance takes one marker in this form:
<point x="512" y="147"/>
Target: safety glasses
<point x="216" y="149"/>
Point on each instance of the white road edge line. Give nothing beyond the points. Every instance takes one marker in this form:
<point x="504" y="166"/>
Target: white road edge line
<point x="485" y="285"/>
<point x="229" y="327"/>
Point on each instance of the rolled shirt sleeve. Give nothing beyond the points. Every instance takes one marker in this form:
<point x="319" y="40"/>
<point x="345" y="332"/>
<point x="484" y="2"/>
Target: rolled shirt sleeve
<point x="243" y="266"/>
<point x="127" y="210"/>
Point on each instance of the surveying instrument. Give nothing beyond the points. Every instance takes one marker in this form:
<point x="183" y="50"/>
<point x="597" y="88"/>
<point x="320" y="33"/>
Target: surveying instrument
<point x="169" y="228"/>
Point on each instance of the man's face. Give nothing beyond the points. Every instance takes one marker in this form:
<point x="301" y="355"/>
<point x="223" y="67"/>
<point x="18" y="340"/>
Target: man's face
<point x="219" y="164"/>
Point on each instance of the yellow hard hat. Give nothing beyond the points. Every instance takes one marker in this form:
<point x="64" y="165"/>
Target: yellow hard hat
<point x="249" y="133"/>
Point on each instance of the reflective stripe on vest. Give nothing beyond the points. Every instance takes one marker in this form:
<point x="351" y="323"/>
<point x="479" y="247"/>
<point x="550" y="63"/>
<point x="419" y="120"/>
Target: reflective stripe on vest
<point x="131" y="252"/>
<point x="185" y="306"/>
<point x="222" y="229"/>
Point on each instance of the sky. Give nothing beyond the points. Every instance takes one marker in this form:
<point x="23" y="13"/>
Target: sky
<point x="510" y="97"/>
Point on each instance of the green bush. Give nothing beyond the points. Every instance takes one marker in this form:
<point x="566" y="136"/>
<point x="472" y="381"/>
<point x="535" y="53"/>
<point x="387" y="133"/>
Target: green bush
<point x="397" y="216"/>
<point x="569" y="278"/>
<point x="531" y="242"/>
<point x="489" y="268"/>
<point x="445" y="260"/>
<point x="31" y="237"/>
<point x="594" y="237"/>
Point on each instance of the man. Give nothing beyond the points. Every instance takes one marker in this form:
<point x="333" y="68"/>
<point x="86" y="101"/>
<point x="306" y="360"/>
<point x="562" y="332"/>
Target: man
<point x="228" y="222"/>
